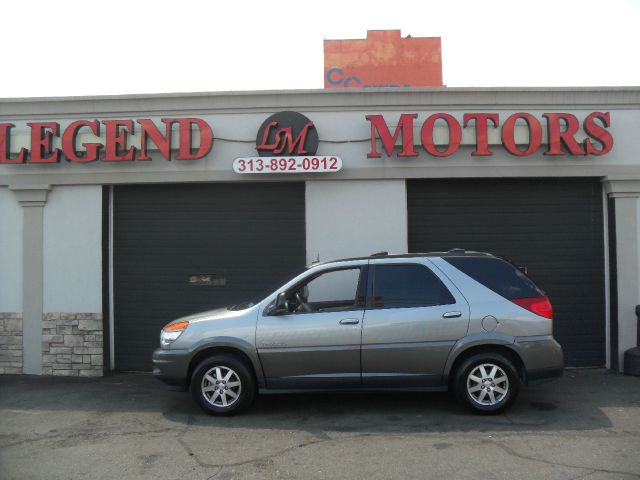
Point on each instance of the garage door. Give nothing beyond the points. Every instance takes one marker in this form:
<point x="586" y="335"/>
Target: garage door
<point x="183" y="248"/>
<point x="554" y="227"/>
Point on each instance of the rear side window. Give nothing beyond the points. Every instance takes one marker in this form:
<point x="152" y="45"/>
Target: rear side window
<point x="497" y="275"/>
<point x="402" y="286"/>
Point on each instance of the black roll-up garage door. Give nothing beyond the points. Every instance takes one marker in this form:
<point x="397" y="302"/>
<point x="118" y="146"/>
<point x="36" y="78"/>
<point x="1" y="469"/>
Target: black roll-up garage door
<point x="184" y="248"/>
<point x="554" y="227"/>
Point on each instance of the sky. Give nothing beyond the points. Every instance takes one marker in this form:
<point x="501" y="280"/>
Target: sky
<point x="69" y="47"/>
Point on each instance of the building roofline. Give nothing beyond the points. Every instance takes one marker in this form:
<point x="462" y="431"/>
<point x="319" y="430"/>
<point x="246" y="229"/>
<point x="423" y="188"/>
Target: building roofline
<point x="375" y="99"/>
<point x="328" y="91"/>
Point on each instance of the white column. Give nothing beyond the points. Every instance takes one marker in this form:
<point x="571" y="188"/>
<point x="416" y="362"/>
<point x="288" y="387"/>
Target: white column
<point x="626" y="194"/>
<point x="33" y="199"/>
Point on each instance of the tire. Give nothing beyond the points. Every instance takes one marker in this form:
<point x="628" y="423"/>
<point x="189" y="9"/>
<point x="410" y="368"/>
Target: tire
<point x="476" y="386"/>
<point x="223" y="385"/>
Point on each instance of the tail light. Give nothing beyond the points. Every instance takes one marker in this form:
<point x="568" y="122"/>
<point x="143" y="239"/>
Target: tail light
<point x="538" y="305"/>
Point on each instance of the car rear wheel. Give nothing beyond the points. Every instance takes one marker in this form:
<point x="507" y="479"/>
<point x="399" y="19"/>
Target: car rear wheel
<point x="487" y="383"/>
<point x="222" y="385"/>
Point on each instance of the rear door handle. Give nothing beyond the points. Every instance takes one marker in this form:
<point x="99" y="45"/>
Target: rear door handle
<point x="349" y="321"/>
<point x="452" y="315"/>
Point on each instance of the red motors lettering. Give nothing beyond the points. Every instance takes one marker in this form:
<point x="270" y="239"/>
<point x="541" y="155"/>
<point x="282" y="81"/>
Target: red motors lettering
<point x="114" y="146"/>
<point x="561" y="134"/>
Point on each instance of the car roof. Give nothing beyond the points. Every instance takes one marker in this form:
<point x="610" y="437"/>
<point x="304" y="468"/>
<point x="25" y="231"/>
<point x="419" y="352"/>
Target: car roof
<point x="456" y="252"/>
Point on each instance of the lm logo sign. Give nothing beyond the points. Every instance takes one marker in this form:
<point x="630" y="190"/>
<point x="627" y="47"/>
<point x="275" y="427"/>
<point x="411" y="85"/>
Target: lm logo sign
<point x="287" y="142"/>
<point x="287" y="133"/>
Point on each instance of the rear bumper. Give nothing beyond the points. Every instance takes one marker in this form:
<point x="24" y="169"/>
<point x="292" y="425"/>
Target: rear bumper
<point x="171" y="366"/>
<point x="542" y="357"/>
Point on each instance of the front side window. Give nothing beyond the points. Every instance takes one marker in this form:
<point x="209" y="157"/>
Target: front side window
<point x="333" y="291"/>
<point x="403" y="286"/>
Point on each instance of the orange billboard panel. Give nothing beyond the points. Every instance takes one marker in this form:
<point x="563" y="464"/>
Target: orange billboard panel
<point x="384" y="59"/>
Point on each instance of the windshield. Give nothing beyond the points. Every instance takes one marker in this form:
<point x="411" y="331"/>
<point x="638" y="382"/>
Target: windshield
<point x="256" y="299"/>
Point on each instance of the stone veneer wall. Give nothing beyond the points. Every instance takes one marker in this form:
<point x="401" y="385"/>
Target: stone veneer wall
<point x="10" y="342"/>
<point x="72" y="344"/>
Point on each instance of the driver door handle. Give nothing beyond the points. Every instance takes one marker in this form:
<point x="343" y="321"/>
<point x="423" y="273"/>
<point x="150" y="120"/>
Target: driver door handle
<point x="452" y="315"/>
<point x="349" y="321"/>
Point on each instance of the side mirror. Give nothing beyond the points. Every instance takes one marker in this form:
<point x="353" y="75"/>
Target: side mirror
<point x="280" y="306"/>
<point x="281" y="301"/>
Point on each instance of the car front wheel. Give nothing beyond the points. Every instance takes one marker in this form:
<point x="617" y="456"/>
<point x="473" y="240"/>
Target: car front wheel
<point x="222" y="385"/>
<point x="487" y="383"/>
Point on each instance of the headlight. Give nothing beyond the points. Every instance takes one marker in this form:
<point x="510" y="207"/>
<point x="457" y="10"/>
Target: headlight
<point x="171" y="332"/>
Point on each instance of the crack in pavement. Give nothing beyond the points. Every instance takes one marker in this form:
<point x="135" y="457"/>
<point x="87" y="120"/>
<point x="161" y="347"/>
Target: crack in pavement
<point x="270" y="456"/>
<point x="318" y="433"/>
<point x="321" y="436"/>
<point x="328" y="439"/>
<point x="192" y="469"/>
<point x="585" y="475"/>
<point x="522" y="456"/>
<point x="519" y="434"/>
<point x="80" y="435"/>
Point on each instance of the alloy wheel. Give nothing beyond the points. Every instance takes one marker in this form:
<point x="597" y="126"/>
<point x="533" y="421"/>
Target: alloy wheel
<point x="487" y="384"/>
<point x="221" y="386"/>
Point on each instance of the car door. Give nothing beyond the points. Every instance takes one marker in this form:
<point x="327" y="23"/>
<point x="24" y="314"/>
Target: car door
<point x="413" y="318"/>
<point x="315" y="341"/>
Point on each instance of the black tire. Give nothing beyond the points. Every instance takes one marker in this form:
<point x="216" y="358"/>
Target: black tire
<point x="488" y="397"/>
<point x="206" y="392"/>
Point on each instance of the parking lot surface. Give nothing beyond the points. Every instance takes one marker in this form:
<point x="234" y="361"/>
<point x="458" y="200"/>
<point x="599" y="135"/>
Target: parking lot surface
<point x="584" y="425"/>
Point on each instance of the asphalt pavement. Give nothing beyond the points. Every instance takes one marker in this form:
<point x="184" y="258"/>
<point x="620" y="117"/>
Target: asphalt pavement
<point x="585" y="425"/>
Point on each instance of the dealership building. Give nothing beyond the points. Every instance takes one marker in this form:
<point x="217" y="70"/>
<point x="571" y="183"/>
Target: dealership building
<point x="119" y="214"/>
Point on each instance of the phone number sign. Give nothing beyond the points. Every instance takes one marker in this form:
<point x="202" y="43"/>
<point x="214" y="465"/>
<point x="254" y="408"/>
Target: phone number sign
<point x="304" y="164"/>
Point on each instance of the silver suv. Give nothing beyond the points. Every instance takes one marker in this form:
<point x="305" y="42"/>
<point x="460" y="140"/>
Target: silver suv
<point x="466" y="321"/>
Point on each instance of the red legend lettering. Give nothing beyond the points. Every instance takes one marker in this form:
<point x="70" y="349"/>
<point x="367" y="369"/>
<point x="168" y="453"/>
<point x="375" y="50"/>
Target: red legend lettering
<point x="117" y="133"/>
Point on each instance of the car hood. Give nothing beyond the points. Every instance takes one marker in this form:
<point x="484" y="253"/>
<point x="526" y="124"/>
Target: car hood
<point x="215" y="314"/>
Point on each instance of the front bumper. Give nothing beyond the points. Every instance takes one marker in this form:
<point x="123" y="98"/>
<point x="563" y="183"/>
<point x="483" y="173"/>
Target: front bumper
<point x="542" y="357"/>
<point x="171" y="366"/>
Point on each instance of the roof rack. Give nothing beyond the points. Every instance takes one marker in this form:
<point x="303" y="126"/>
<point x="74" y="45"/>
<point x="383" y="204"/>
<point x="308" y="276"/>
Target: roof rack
<point x="452" y="252"/>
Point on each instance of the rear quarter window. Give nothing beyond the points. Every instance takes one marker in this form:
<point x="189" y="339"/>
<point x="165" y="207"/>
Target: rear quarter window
<point x="497" y="275"/>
